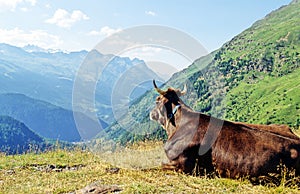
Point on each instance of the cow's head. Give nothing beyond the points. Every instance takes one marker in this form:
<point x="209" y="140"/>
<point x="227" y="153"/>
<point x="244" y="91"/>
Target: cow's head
<point x="167" y="104"/>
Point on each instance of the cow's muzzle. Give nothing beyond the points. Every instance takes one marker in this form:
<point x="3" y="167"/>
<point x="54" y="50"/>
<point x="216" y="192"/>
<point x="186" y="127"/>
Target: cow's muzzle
<point x="153" y="116"/>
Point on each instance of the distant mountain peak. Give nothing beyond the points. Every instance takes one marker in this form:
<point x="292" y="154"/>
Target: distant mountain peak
<point x="30" y="48"/>
<point x="33" y="48"/>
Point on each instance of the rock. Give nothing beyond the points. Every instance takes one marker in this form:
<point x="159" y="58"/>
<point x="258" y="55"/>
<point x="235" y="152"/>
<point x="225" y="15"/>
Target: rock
<point x="112" y="170"/>
<point x="98" y="188"/>
<point x="55" y="168"/>
<point x="10" y="172"/>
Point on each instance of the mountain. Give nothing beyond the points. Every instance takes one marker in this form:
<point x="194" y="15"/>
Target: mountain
<point x="252" y="78"/>
<point x="33" y="48"/>
<point x="41" y="75"/>
<point x="50" y="76"/>
<point x="41" y="62"/>
<point x="112" y="81"/>
<point x="36" y="49"/>
<point x="16" y="137"/>
<point x="45" y="119"/>
<point x="258" y="59"/>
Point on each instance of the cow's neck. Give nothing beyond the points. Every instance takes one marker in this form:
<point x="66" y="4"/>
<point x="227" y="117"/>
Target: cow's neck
<point x="178" y="112"/>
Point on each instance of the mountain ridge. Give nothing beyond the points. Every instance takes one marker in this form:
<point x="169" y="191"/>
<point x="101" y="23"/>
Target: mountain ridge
<point x="45" y="119"/>
<point x="16" y="137"/>
<point x="50" y="76"/>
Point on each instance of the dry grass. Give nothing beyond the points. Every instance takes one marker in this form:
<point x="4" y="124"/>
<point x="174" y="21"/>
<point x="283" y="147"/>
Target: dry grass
<point x="63" y="171"/>
<point x="142" y="155"/>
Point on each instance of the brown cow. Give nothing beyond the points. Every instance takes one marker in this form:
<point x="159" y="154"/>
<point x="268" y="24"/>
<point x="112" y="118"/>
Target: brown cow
<point x="198" y="142"/>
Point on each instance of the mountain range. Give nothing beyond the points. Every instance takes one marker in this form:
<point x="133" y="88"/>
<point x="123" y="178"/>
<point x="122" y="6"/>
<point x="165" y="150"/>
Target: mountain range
<point x="37" y="88"/>
<point x="50" y="76"/>
<point x="40" y="75"/>
<point x="45" y="119"/>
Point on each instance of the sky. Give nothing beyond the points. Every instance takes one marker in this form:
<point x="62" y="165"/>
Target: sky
<point x="76" y="25"/>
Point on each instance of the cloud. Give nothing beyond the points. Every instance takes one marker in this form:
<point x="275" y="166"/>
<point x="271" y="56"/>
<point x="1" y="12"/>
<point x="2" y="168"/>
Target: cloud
<point x="105" y="31"/>
<point x="21" y="38"/>
<point x="24" y="9"/>
<point x="151" y="13"/>
<point x="48" y="6"/>
<point x="12" y="4"/>
<point x="32" y="2"/>
<point x="64" y="19"/>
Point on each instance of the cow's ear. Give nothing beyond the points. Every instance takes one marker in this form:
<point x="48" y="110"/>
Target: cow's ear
<point x="183" y="92"/>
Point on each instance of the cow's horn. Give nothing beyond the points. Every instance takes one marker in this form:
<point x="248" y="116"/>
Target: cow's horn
<point x="158" y="89"/>
<point x="183" y="92"/>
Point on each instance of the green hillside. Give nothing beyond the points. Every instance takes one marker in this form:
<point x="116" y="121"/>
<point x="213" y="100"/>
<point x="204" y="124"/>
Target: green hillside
<point x="251" y="78"/>
<point x="271" y="100"/>
<point x="265" y="57"/>
<point x="15" y="137"/>
<point x="270" y="48"/>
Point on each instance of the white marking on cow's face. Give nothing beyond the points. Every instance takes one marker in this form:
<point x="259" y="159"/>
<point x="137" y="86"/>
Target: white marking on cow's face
<point x="159" y="112"/>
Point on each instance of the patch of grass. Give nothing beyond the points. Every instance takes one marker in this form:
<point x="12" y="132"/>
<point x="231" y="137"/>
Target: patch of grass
<point x="141" y="155"/>
<point x="21" y="174"/>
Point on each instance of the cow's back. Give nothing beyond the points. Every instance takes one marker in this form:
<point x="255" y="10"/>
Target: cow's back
<point x="244" y="150"/>
<point x="283" y="130"/>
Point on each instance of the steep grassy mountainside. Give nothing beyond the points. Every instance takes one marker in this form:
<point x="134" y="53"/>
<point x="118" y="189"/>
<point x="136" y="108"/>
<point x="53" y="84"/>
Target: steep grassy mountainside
<point x="43" y="118"/>
<point x="268" y="50"/>
<point x="264" y="59"/>
<point x="271" y="100"/>
<point x="15" y="137"/>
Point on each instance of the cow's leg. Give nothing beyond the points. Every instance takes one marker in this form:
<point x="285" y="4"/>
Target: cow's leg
<point x="172" y="165"/>
<point x="181" y="164"/>
<point x="205" y="165"/>
<point x="188" y="164"/>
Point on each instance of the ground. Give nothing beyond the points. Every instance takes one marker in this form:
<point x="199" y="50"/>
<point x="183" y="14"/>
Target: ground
<point x="135" y="169"/>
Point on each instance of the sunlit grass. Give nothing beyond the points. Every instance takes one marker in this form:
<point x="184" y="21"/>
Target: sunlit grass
<point x="142" y="155"/>
<point x="30" y="173"/>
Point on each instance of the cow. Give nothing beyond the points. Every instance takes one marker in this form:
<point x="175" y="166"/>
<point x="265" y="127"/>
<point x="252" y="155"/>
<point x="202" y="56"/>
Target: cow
<point x="204" y="144"/>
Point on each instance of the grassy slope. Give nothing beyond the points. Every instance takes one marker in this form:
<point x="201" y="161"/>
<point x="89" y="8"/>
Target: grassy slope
<point x="20" y="174"/>
<point x="266" y="55"/>
<point x="271" y="100"/>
